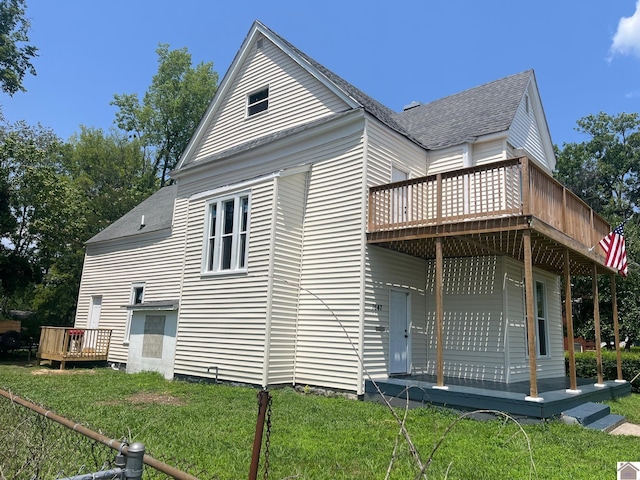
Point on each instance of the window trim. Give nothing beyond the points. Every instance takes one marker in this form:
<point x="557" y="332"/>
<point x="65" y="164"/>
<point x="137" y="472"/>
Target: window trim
<point x="132" y="301"/>
<point x="544" y="318"/>
<point x="212" y="259"/>
<point x="249" y="104"/>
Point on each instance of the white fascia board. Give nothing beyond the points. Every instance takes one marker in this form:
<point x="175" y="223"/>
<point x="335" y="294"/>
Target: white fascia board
<point x="280" y="147"/>
<point x="249" y="183"/>
<point x="541" y="119"/>
<point x="492" y="136"/>
<point x="221" y="92"/>
<point x="308" y="67"/>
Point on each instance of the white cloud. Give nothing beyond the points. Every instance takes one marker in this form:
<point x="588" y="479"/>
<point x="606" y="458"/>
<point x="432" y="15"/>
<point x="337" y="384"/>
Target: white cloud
<point x="626" y="40"/>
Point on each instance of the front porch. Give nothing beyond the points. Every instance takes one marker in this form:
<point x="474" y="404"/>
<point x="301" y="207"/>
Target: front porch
<point x="510" y="398"/>
<point x="510" y="208"/>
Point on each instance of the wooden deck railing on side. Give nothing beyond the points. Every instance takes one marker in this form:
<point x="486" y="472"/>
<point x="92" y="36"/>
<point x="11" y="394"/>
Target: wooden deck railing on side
<point x="64" y="344"/>
<point x="511" y="187"/>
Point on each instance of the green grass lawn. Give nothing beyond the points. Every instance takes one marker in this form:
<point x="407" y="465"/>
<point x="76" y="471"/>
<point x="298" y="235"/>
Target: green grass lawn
<point x="212" y="426"/>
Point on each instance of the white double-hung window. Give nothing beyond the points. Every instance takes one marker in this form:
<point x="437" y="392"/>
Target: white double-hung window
<point x="226" y="234"/>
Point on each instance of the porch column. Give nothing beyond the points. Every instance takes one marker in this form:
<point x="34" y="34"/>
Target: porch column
<point x="439" y="315"/>
<point x="616" y="328"/>
<point x="531" y="323"/>
<point x="596" y="322"/>
<point x="573" y="383"/>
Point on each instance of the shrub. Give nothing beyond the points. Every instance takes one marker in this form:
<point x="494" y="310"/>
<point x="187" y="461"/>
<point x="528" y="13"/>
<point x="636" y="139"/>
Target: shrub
<point x="586" y="366"/>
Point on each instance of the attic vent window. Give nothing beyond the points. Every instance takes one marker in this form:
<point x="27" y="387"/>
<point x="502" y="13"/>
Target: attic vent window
<point x="258" y="102"/>
<point x="259" y="44"/>
<point x="526" y="103"/>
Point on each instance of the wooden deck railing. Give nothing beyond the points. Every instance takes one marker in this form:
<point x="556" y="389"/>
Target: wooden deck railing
<point x="511" y="187"/>
<point x="74" y="344"/>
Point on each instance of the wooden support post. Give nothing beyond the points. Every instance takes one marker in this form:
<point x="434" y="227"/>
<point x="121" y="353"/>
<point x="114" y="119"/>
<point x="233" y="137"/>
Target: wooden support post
<point x="573" y="383"/>
<point x="616" y="327"/>
<point x="531" y="323"/>
<point x="596" y="321"/>
<point x="439" y="314"/>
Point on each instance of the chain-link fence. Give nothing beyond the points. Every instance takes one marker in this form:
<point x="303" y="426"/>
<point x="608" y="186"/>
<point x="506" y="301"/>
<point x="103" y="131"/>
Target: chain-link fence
<point x="36" y="444"/>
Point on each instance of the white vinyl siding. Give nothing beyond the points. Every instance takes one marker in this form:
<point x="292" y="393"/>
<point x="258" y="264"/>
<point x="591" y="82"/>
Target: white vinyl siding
<point x="111" y="267"/>
<point x="387" y="150"/>
<point x="488" y="152"/>
<point x="287" y="253"/>
<point x="386" y="270"/>
<point x="440" y="161"/>
<point x="223" y="321"/>
<point x="524" y="133"/>
<point x="329" y="315"/>
<point x="222" y="318"/>
<point x="473" y="319"/>
<point x="552" y="365"/>
<point x="295" y="98"/>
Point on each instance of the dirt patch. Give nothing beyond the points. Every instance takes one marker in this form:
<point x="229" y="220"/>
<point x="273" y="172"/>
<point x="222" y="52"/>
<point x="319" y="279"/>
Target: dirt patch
<point x="161" y="398"/>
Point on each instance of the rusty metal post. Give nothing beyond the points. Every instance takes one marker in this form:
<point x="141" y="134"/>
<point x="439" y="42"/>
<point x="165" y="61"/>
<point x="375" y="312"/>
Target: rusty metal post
<point x="263" y="401"/>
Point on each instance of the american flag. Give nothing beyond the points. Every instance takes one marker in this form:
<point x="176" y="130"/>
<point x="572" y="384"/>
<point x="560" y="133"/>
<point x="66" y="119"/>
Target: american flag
<point x="614" y="249"/>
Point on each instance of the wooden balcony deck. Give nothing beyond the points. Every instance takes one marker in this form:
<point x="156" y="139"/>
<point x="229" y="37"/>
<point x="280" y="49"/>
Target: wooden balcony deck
<point x="62" y="344"/>
<point x="483" y="210"/>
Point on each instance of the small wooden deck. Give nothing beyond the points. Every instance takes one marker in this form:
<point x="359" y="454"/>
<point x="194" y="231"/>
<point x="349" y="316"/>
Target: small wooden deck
<point x="64" y="344"/>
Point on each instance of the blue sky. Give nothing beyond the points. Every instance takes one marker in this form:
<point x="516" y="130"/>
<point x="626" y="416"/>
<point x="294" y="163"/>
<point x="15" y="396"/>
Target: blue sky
<point x="586" y="53"/>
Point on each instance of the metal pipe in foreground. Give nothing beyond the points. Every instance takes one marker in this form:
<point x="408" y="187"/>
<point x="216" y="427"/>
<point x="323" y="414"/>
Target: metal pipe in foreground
<point x="263" y="402"/>
<point x="109" y="442"/>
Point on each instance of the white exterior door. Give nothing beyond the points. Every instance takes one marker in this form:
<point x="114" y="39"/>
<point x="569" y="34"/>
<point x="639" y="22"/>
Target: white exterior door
<point x="399" y="333"/>
<point x="94" y="315"/>
<point x="400" y="196"/>
<point x="90" y="339"/>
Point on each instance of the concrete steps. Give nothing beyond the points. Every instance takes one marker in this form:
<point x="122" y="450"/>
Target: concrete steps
<point x="597" y="416"/>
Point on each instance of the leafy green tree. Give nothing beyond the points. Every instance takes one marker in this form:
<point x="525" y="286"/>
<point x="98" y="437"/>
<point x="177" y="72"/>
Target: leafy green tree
<point x="111" y="173"/>
<point x="29" y="165"/>
<point x="171" y="108"/>
<point x="15" y="52"/>
<point x="57" y="197"/>
<point x="104" y="176"/>
<point x="604" y="171"/>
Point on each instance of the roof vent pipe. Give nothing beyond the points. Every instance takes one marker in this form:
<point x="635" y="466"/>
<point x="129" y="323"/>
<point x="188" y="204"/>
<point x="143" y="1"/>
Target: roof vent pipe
<point x="413" y="104"/>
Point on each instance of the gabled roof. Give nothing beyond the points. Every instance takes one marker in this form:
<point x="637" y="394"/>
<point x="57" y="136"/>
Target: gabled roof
<point x="158" y="215"/>
<point x="464" y="116"/>
<point x="371" y="105"/>
<point x="453" y="120"/>
<point x="353" y="96"/>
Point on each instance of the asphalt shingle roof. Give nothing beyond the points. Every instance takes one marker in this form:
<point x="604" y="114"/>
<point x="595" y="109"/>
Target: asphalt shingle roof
<point x="371" y="105"/>
<point x="158" y="215"/>
<point x="482" y="110"/>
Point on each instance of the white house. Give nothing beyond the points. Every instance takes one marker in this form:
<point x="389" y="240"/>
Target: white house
<point x="315" y="237"/>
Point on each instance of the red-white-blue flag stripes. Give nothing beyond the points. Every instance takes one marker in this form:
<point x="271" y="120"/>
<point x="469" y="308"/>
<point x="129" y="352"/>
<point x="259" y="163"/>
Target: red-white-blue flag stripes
<point x="615" y="251"/>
